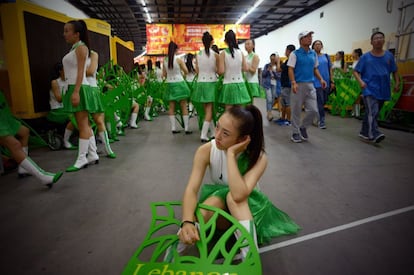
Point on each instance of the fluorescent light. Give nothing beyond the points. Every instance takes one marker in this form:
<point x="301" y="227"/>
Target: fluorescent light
<point x="258" y="2"/>
<point x="143" y="2"/>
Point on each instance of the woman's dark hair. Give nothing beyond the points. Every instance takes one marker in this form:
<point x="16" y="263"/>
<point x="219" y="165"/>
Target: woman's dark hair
<point x="189" y="63"/>
<point x="230" y="39"/>
<point x="172" y="47"/>
<point x="215" y="48"/>
<point x="358" y="52"/>
<point x="55" y="72"/>
<point x="80" y="27"/>
<point x="254" y="44"/>
<point x="250" y="123"/>
<point x="158" y="64"/>
<point x="342" y="54"/>
<point x="207" y="39"/>
<point x="149" y="65"/>
<point x="314" y="42"/>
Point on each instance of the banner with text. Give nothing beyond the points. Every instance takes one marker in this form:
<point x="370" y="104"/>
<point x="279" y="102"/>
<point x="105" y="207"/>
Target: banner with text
<point x="158" y="37"/>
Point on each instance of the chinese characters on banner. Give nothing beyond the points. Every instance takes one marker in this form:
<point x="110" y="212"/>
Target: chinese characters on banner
<point x="158" y="37"/>
<point x="188" y="36"/>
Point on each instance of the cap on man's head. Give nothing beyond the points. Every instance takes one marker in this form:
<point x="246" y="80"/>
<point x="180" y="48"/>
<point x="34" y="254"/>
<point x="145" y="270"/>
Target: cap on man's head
<point x="304" y="33"/>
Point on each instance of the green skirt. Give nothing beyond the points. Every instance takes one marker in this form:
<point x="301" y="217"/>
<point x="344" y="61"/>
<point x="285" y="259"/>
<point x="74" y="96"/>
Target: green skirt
<point x="90" y="100"/>
<point x="59" y="116"/>
<point x="254" y="89"/>
<point x="270" y="221"/>
<point x="204" y="92"/>
<point x="177" y="91"/>
<point x="9" y="125"/>
<point x="234" y="94"/>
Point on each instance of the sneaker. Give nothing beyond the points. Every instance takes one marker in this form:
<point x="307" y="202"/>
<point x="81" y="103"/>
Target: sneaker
<point x="361" y="135"/>
<point x="287" y="123"/>
<point x="295" y="138"/>
<point x="322" y="125"/>
<point x="380" y="137"/>
<point x="303" y="133"/>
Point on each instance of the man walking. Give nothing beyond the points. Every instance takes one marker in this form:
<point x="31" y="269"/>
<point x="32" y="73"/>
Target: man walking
<point x="303" y="67"/>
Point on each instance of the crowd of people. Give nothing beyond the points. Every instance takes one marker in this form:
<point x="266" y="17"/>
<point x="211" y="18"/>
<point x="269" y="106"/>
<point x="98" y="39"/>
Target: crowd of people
<point x="233" y="141"/>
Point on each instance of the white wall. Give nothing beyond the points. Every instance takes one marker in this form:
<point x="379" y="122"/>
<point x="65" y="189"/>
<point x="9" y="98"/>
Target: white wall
<point x="344" y="22"/>
<point x="61" y="6"/>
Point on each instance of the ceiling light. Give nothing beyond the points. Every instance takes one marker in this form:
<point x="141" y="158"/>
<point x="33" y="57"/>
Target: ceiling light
<point x="258" y="2"/>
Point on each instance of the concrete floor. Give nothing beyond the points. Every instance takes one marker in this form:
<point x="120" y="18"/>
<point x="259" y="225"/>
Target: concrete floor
<point x="92" y="221"/>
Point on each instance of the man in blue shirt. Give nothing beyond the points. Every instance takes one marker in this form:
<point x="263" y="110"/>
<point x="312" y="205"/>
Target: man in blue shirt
<point x="303" y="66"/>
<point x="373" y="74"/>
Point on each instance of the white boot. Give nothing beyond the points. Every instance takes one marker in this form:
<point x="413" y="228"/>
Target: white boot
<point x="133" y="121"/>
<point x="45" y="177"/>
<point x="212" y="130"/>
<point x="104" y="137"/>
<point x="146" y="114"/>
<point x="204" y="131"/>
<point x="250" y="227"/>
<point x="81" y="161"/>
<point x="20" y="170"/>
<point x="186" y="119"/>
<point x="66" y="137"/>
<point x="173" y="127"/>
<point x="92" y="156"/>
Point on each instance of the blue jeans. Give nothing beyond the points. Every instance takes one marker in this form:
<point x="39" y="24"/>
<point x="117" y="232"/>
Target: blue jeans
<point x="322" y="97"/>
<point x="270" y="97"/>
<point x="369" y="122"/>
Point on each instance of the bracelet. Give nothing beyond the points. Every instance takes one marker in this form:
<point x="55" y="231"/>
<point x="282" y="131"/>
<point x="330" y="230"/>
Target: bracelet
<point x="184" y="222"/>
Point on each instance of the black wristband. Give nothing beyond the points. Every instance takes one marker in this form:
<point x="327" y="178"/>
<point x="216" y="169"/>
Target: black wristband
<point x="184" y="222"/>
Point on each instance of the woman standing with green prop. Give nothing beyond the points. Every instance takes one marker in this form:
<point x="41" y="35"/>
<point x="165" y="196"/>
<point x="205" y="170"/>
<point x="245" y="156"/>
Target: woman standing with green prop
<point x="205" y="90"/>
<point x="79" y="99"/>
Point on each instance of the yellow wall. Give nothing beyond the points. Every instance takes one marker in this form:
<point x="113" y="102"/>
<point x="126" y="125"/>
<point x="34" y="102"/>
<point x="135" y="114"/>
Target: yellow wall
<point x="127" y="44"/>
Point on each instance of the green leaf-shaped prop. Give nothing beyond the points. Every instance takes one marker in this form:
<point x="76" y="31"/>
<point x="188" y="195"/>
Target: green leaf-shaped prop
<point x="214" y="254"/>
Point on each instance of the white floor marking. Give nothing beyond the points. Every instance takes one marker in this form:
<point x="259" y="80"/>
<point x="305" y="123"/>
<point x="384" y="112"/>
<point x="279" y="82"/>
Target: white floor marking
<point x="334" y="229"/>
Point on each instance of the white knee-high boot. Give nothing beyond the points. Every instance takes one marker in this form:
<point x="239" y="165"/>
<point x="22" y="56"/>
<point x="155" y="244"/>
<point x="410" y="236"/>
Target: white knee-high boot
<point x="45" y="177"/>
<point x="92" y="151"/>
<point x="204" y="131"/>
<point x="81" y="160"/>
<point x="172" y="122"/>
<point x="66" y="137"/>
<point x="212" y="130"/>
<point x="186" y="119"/>
<point x="146" y="114"/>
<point x="20" y="170"/>
<point x="104" y="137"/>
<point x="251" y="228"/>
<point x="133" y="120"/>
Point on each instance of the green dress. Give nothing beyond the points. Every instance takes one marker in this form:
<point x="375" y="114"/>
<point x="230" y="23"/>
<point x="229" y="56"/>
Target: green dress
<point x="270" y="221"/>
<point x="9" y="125"/>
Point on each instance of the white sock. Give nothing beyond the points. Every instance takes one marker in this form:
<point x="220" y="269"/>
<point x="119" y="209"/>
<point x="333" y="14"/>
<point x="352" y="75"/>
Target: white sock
<point x="66" y="137"/>
<point x="105" y="140"/>
<point x="133" y="120"/>
<point x="172" y="121"/>
<point x="20" y="169"/>
<point x="204" y="130"/>
<point x="212" y="129"/>
<point x="92" y="148"/>
<point x="186" y="120"/>
<point x="250" y="227"/>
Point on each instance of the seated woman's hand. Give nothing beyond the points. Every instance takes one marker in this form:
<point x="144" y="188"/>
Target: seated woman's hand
<point x="188" y="234"/>
<point x="239" y="147"/>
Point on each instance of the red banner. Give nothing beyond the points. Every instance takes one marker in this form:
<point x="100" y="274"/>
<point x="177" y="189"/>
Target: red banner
<point x="189" y="36"/>
<point x="158" y="37"/>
